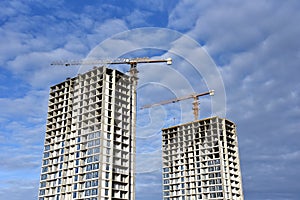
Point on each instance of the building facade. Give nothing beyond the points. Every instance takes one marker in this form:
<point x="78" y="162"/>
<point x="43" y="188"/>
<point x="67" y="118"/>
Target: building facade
<point x="89" y="150"/>
<point x="201" y="161"/>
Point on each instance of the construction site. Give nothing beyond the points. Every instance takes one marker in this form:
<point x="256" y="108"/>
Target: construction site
<point x="90" y="141"/>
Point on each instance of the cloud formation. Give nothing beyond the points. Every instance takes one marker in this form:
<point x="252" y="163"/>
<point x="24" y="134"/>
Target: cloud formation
<point x="254" y="43"/>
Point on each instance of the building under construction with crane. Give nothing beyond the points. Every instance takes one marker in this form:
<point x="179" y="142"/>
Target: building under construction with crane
<point x="200" y="159"/>
<point x="90" y="142"/>
<point x="89" y="150"/>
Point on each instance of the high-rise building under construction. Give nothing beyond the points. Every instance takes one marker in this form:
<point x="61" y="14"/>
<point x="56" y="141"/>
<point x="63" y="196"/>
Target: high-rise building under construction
<point x="201" y="161"/>
<point x="89" y="150"/>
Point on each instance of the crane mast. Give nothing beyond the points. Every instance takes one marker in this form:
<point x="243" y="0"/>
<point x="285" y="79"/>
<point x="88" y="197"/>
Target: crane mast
<point x="195" y="102"/>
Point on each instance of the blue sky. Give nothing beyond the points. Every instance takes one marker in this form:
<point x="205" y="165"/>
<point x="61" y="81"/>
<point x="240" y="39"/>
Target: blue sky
<point x="255" y="47"/>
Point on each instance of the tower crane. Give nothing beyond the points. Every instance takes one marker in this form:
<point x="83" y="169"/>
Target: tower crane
<point x="131" y="61"/>
<point x="195" y="102"/>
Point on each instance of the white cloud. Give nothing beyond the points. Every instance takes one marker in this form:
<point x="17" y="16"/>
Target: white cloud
<point x="27" y="189"/>
<point x="137" y="17"/>
<point x="105" y="30"/>
<point x="152" y="5"/>
<point x="148" y="185"/>
<point x="34" y="41"/>
<point x="180" y="20"/>
<point x="31" y="105"/>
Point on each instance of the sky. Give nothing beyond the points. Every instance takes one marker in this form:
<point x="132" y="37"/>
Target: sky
<point x="248" y="51"/>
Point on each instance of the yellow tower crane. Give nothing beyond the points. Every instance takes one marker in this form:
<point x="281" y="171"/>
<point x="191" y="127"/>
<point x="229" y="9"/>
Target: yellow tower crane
<point x="195" y="102"/>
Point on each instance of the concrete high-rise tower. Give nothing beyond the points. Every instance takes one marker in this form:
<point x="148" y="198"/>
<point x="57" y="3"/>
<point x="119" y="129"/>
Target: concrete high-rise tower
<point x="89" y="150"/>
<point x="201" y="161"/>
